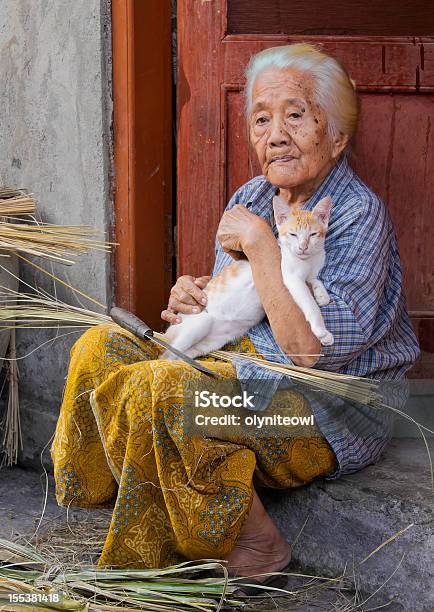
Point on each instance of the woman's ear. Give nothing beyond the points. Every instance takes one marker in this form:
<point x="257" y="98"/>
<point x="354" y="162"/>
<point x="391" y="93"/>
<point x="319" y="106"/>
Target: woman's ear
<point x="339" y="143"/>
<point x="281" y="210"/>
<point x="322" y="210"/>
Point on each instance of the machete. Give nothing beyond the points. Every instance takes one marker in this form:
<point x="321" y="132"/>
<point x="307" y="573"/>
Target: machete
<point x="129" y="321"/>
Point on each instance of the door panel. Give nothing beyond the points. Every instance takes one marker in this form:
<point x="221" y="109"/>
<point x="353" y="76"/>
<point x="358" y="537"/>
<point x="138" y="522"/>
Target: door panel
<point x="403" y="175"/>
<point x="337" y="17"/>
<point x="393" y="151"/>
<point x="386" y="64"/>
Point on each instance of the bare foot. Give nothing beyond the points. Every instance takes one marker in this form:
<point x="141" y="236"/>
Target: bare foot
<point x="261" y="546"/>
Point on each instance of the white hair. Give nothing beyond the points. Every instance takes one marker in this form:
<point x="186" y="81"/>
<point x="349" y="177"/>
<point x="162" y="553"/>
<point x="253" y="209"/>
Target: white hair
<point x="334" y="90"/>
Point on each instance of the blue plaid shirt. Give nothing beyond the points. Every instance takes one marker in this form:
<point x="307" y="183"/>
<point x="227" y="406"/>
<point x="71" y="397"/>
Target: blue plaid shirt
<point x="367" y="315"/>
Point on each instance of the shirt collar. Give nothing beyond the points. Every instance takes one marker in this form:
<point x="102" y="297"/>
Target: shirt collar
<point x="333" y="185"/>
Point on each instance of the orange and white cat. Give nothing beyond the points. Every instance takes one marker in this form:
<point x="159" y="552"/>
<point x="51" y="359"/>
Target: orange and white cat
<point x="234" y="306"/>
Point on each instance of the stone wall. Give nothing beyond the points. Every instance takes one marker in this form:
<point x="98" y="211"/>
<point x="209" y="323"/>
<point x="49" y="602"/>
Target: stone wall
<point x="56" y="140"/>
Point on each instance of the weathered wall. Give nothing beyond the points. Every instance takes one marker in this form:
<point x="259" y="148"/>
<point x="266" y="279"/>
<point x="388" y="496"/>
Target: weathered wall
<point x="55" y="139"/>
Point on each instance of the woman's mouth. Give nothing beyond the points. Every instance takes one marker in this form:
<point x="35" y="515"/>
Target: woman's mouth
<point x="282" y="159"/>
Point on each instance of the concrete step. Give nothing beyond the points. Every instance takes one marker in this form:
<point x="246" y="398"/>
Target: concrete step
<point x="349" y="518"/>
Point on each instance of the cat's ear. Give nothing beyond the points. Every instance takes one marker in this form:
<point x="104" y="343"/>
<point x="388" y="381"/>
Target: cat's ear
<point x="322" y="210"/>
<point x="281" y="210"/>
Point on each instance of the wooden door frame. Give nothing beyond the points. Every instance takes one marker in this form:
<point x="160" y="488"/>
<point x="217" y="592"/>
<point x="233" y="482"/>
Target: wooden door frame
<point x="142" y="115"/>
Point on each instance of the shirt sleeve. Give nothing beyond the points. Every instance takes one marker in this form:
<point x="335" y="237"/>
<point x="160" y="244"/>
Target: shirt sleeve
<point x="222" y="259"/>
<point x="356" y="275"/>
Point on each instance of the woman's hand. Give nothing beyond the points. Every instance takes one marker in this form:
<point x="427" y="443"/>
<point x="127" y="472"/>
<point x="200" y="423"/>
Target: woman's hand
<point x="239" y="230"/>
<point x="186" y="297"/>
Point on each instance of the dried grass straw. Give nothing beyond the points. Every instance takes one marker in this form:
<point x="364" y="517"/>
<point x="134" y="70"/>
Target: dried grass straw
<point x="55" y="242"/>
<point x="10" y="427"/>
<point x="16" y="202"/>
<point x="355" y="388"/>
<point x="36" y="312"/>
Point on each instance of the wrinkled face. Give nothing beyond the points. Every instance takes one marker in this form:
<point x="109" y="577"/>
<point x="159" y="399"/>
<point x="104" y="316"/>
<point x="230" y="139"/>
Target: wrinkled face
<point x="302" y="232"/>
<point x="289" y="130"/>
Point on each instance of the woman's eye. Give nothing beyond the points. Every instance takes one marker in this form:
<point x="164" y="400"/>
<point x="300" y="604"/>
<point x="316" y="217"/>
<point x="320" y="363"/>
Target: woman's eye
<point x="294" y="116"/>
<point x="261" y="120"/>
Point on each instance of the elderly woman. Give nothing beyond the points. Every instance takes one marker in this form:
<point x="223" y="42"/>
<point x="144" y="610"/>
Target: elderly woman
<point x="120" y="439"/>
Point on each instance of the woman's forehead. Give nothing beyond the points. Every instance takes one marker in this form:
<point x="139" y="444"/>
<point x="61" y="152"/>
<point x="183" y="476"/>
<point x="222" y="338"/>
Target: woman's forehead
<point x="285" y="85"/>
<point x="263" y="102"/>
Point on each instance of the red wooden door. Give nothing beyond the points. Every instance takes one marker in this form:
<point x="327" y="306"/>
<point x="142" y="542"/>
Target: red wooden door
<point x="387" y="49"/>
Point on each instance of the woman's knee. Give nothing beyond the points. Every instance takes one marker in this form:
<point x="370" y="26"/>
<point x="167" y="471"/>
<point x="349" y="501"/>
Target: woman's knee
<point x="112" y="346"/>
<point x="97" y="332"/>
<point x="97" y="335"/>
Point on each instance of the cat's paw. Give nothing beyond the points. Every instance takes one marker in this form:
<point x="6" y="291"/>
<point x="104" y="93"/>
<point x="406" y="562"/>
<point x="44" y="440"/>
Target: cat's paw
<point x="327" y="338"/>
<point x="323" y="335"/>
<point x="321" y="296"/>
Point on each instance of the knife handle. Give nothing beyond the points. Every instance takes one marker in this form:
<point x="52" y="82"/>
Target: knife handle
<point x="130" y="322"/>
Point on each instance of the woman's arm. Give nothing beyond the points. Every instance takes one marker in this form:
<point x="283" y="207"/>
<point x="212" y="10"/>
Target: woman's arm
<point x="289" y="326"/>
<point x="239" y="230"/>
<point x="363" y="278"/>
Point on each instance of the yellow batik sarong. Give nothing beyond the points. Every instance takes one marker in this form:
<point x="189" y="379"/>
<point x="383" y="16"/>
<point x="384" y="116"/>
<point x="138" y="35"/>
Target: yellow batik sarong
<point x="120" y="444"/>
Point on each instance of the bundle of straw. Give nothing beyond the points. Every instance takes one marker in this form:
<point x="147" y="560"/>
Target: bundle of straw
<point x="172" y="589"/>
<point x="52" y="242"/>
<point x="55" y="242"/>
<point x="354" y="388"/>
<point x="36" y="312"/>
<point x="10" y="427"/>
<point x="15" y="202"/>
<point x="176" y="588"/>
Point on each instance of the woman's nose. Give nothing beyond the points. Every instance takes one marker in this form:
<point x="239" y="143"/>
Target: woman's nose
<point x="278" y="134"/>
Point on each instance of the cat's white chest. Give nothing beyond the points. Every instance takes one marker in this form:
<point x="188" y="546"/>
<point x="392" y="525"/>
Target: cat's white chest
<point x="304" y="269"/>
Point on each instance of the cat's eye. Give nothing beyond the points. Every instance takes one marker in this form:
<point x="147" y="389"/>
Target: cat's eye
<point x="314" y="234"/>
<point x="295" y="235"/>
